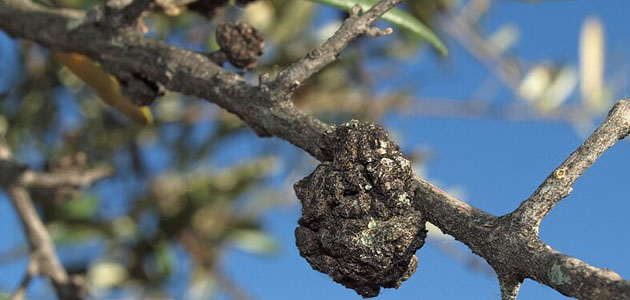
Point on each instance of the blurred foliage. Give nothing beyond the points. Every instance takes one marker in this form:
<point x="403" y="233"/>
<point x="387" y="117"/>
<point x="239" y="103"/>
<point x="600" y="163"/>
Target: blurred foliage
<point x="185" y="189"/>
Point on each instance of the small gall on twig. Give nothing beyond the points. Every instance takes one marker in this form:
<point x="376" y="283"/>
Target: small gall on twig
<point x="241" y="43"/>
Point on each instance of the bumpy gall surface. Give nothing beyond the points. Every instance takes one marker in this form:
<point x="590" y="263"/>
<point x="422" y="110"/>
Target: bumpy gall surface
<point x="358" y="224"/>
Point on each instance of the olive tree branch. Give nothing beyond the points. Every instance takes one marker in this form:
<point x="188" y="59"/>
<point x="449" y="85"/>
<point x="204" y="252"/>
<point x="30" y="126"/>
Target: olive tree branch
<point x="509" y="243"/>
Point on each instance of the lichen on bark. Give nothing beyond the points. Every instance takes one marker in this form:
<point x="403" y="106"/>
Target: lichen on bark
<point x="358" y="224"/>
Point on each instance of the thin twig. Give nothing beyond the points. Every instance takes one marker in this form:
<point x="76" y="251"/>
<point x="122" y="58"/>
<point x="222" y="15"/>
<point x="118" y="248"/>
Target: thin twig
<point x="558" y="184"/>
<point x="293" y="76"/>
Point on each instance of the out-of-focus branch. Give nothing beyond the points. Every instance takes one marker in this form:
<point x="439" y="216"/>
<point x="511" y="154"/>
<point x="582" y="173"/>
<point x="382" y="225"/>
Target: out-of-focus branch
<point x="43" y="258"/>
<point x="460" y="26"/>
<point x="42" y="248"/>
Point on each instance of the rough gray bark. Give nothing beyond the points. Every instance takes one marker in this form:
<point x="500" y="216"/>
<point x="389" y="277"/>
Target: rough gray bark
<point x="509" y="243"/>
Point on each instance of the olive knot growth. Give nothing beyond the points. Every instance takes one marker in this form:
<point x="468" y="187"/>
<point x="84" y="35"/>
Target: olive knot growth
<point x="358" y="224"/>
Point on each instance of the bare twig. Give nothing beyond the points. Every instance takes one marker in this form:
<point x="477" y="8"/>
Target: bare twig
<point x="322" y="55"/>
<point x="558" y="184"/>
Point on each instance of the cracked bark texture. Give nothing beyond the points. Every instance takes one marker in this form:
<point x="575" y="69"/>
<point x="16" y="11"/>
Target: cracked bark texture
<point x="509" y="243"/>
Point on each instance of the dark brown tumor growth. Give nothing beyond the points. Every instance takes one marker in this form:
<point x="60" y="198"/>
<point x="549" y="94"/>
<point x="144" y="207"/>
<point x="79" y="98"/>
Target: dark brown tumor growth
<point x="358" y="224"/>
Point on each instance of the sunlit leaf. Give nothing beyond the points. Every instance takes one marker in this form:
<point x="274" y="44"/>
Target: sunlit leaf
<point x="559" y="89"/>
<point x="504" y="38"/>
<point x="397" y="17"/>
<point x="592" y="65"/>
<point x="107" y="274"/>
<point x="254" y="241"/>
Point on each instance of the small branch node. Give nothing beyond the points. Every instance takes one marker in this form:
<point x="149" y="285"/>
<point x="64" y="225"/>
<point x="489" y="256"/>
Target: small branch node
<point x="376" y="32"/>
<point x="355" y="11"/>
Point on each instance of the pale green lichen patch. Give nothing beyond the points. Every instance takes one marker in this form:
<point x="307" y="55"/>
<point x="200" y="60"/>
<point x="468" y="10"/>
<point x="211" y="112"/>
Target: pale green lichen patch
<point x="371" y="223"/>
<point x="402" y="198"/>
<point x="557" y="276"/>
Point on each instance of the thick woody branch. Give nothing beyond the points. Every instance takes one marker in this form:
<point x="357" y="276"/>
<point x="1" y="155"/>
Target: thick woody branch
<point x="322" y="55"/>
<point x="558" y="184"/>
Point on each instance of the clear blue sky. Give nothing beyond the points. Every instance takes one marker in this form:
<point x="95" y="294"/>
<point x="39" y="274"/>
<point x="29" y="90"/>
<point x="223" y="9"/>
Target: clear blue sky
<point x="496" y="163"/>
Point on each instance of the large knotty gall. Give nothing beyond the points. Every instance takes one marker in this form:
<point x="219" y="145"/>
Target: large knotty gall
<point x="358" y="223"/>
